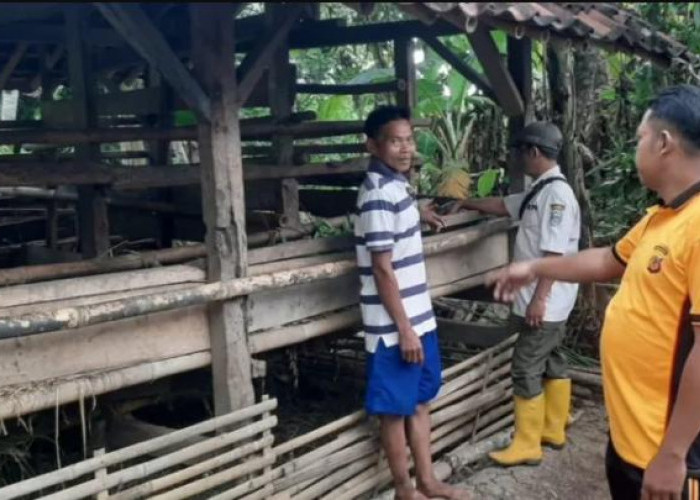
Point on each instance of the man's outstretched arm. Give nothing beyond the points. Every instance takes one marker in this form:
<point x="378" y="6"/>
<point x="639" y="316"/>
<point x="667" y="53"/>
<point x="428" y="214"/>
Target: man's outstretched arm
<point x="592" y="265"/>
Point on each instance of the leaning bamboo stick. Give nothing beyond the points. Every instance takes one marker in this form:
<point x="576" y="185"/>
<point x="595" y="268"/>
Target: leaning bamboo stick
<point x="80" y="316"/>
<point x="242" y="488"/>
<point x="383" y="475"/>
<point x="91" y="465"/>
<point x="180" y="476"/>
<point x="330" y="462"/>
<point x="475" y="374"/>
<point x="452" y="371"/>
<point x="323" y="431"/>
<point x="338" y="477"/>
<point x="263" y="493"/>
<point x="150" y="467"/>
<point x="471" y="388"/>
<point x="201" y="485"/>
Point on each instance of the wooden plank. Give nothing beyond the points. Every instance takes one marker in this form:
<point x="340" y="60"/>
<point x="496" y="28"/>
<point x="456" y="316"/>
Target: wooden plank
<point x="253" y="132"/>
<point x="93" y="219"/>
<point x="498" y="75"/>
<point x="223" y="205"/>
<point x="87" y="173"/>
<point x="259" y="59"/>
<point x="12" y="63"/>
<point x="138" y="30"/>
<point x="405" y="70"/>
<point x="460" y="66"/>
<point x="359" y="89"/>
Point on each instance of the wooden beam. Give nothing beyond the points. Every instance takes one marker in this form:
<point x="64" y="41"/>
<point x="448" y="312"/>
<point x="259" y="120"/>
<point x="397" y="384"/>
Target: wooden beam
<point x="261" y="131"/>
<point x="520" y="67"/>
<point x="498" y="75"/>
<point x="405" y="70"/>
<point x="458" y="64"/>
<point x="223" y="204"/>
<point x="138" y="30"/>
<point x="93" y="218"/>
<point x="368" y="88"/>
<point x="259" y="59"/>
<point x="12" y="63"/>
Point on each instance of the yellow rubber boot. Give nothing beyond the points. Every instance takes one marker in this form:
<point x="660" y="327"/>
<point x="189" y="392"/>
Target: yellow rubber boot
<point x="557" y="397"/>
<point x="526" y="446"/>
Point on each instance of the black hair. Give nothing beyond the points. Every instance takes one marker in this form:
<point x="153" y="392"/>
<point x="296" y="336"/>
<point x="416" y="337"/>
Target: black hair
<point x="382" y="115"/>
<point x="679" y="107"/>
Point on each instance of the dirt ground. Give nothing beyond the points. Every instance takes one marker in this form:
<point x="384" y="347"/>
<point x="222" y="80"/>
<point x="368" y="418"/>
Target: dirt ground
<point x="577" y="471"/>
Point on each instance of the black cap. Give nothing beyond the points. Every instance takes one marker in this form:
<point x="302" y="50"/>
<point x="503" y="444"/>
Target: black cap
<point x="544" y="135"/>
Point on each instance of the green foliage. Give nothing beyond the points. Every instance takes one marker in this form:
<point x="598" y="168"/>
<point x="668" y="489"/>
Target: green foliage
<point x="488" y="180"/>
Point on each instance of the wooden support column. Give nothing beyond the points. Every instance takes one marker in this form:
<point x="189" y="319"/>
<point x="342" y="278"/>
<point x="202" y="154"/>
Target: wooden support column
<point x="405" y="72"/>
<point x="92" y="208"/>
<point x="47" y="95"/>
<point x="520" y="69"/>
<point x="223" y="202"/>
<point x="281" y="91"/>
<point x="158" y="153"/>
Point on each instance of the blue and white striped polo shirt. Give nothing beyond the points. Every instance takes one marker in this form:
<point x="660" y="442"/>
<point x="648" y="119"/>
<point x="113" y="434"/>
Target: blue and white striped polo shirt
<point x="388" y="219"/>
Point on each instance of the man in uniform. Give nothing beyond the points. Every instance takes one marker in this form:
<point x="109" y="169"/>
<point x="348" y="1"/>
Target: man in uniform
<point x="650" y="343"/>
<point x="549" y="225"/>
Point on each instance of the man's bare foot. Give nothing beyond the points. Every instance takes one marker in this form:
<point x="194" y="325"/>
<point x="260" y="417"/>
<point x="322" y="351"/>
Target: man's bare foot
<point x="437" y="489"/>
<point x="408" y="492"/>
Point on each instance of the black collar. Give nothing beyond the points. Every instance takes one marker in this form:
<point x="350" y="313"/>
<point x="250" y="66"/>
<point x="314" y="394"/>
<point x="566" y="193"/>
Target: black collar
<point x="379" y="167"/>
<point x="685" y="196"/>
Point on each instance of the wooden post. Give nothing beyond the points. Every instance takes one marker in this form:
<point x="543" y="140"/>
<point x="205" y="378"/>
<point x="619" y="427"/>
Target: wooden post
<point x="405" y="72"/>
<point x="46" y="95"/>
<point x="92" y="208"/>
<point x="281" y="91"/>
<point x="520" y="68"/>
<point x="223" y="202"/>
<point x="158" y="154"/>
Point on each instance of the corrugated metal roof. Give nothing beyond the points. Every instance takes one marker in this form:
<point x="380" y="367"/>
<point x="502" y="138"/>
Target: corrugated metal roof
<point x="608" y="25"/>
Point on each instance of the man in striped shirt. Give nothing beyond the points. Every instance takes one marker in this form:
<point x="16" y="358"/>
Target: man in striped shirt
<point x="403" y="365"/>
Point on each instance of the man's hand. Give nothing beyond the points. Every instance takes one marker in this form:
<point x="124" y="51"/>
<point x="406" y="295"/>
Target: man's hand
<point x="510" y="279"/>
<point x="411" y="346"/>
<point x="429" y="216"/>
<point x="534" y="315"/>
<point x="664" y="477"/>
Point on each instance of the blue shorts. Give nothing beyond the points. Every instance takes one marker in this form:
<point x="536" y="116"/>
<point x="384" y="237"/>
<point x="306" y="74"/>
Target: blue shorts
<point x="395" y="387"/>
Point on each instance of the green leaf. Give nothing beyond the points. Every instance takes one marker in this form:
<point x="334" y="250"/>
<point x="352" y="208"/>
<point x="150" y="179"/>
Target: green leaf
<point x="338" y="107"/>
<point x="487" y="182"/>
<point x="185" y="118"/>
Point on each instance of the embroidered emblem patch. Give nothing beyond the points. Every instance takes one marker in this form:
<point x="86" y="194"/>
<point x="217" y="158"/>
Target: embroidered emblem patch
<point x="657" y="259"/>
<point x="556" y="214"/>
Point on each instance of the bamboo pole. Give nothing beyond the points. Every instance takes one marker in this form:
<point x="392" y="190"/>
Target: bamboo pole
<point x="80" y="316"/>
<point x="151" y="467"/>
<point x="30" y="274"/>
<point x="580" y="377"/>
<point x="63" y="391"/>
<point x="338" y="477"/>
<point x="321" y="432"/>
<point x="161" y="483"/>
<point x="91" y="465"/>
<point x="206" y="483"/>
<point x="241" y="489"/>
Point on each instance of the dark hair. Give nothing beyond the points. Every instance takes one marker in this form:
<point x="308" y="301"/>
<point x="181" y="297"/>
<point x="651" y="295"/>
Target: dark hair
<point x="679" y="107"/>
<point x="382" y="115"/>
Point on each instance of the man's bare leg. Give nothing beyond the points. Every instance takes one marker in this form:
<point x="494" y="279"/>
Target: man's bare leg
<point x="393" y="434"/>
<point x="418" y="428"/>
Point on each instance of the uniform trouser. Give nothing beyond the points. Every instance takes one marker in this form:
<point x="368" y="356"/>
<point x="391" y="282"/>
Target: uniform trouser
<point x="537" y="355"/>
<point x="625" y="480"/>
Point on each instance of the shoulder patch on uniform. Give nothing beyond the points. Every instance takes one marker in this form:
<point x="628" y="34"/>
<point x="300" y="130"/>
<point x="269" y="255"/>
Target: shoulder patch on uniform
<point x="556" y="214"/>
